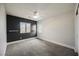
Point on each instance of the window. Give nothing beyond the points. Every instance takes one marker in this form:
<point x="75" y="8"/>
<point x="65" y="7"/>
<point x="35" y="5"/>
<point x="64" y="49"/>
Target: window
<point x="25" y="27"/>
<point x="34" y="29"/>
<point x="28" y="28"/>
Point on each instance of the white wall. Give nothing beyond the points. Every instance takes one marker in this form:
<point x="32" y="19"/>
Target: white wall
<point x="78" y="32"/>
<point x="76" y="29"/>
<point x="2" y="30"/>
<point x="58" y="29"/>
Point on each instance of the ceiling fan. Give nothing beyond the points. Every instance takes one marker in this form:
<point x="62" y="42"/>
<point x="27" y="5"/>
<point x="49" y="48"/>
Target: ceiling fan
<point x="36" y="15"/>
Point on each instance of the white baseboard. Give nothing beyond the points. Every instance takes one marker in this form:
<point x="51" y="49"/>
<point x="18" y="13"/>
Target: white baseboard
<point x="45" y="40"/>
<point x="76" y="51"/>
<point x="64" y="45"/>
<point x="61" y="44"/>
<point x="20" y="41"/>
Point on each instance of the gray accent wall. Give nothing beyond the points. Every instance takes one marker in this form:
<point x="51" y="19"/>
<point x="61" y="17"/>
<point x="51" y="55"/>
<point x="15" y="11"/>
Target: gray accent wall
<point x="13" y="23"/>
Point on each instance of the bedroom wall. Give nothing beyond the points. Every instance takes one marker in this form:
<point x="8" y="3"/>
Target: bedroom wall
<point x="58" y="29"/>
<point x="2" y="30"/>
<point x="13" y="23"/>
<point x="77" y="41"/>
<point x="76" y="28"/>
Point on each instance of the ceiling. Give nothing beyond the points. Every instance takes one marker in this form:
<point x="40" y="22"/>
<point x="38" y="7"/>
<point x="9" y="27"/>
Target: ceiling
<point x="45" y="10"/>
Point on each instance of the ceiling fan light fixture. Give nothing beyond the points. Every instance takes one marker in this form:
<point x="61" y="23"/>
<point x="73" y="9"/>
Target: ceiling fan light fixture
<point x="36" y="15"/>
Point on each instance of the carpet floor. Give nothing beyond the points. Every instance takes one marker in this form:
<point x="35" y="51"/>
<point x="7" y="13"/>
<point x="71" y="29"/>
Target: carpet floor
<point x="37" y="47"/>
